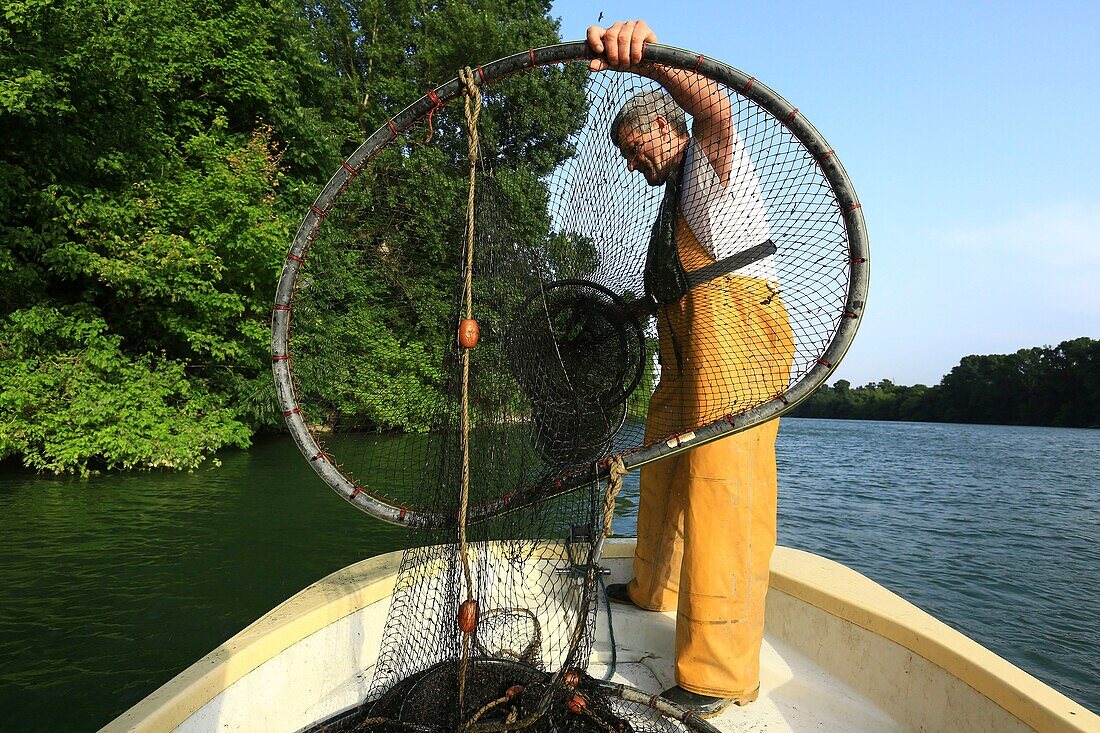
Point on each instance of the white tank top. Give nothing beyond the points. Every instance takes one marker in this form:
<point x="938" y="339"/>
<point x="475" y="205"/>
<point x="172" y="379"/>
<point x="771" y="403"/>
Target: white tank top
<point x="726" y="219"/>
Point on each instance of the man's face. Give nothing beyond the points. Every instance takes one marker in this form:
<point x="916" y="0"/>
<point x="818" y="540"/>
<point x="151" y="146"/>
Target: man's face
<point x="651" y="151"/>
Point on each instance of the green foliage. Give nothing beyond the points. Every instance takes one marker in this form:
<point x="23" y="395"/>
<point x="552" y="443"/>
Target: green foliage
<point x="183" y="262"/>
<point x="365" y="306"/>
<point x="383" y="272"/>
<point x="571" y="256"/>
<point x="1057" y="386"/>
<point x="637" y="405"/>
<point x="73" y="400"/>
<point x="158" y="156"/>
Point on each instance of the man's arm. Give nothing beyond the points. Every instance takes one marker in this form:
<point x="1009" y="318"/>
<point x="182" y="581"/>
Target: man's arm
<point x="620" y="47"/>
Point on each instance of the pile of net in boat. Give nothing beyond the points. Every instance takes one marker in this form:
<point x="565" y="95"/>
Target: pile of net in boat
<point x="509" y="695"/>
<point x="477" y="373"/>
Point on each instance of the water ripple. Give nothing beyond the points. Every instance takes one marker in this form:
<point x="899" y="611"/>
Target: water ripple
<point x="993" y="529"/>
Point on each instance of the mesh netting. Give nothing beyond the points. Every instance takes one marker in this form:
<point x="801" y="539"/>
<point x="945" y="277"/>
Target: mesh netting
<point x="577" y="354"/>
<point x="629" y="295"/>
<point x="565" y="237"/>
<point x="511" y="692"/>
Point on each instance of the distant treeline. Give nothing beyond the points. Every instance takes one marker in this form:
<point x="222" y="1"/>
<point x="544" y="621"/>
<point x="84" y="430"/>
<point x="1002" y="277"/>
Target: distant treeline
<point x="1057" y="386"/>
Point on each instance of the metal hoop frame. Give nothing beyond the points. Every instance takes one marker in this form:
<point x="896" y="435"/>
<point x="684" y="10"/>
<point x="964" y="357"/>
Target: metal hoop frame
<point x="745" y="85"/>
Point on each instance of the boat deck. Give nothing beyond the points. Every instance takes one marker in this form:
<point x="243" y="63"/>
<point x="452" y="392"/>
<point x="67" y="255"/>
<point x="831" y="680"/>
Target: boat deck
<point x="796" y="693"/>
<point x="840" y="653"/>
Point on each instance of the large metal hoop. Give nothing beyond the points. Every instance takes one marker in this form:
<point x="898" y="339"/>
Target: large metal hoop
<point x="745" y="85"/>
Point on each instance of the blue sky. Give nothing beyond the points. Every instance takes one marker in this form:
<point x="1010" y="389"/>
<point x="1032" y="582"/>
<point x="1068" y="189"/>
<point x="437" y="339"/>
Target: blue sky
<point x="972" y="135"/>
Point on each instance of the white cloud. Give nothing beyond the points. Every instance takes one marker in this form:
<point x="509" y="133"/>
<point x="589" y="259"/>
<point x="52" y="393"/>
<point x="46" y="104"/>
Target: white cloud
<point x="1069" y="233"/>
<point x="1044" y="261"/>
<point x="983" y="287"/>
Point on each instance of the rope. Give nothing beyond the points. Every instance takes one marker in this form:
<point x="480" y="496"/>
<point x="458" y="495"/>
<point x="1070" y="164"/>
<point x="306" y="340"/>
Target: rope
<point x="484" y="709"/>
<point x="658" y="703"/>
<point x="473" y="111"/>
<point x="618" y="470"/>
<point x="372" y="722"/>
<point x="614" y="485"/>
<point x="610" y="672"/>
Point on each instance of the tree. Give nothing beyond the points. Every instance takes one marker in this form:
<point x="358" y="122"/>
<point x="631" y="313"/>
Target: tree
<point x="158" y="156"/>
<point x="1036" y="386"/>
<point x="142" y="218"/>
<point x="383" y="271"/>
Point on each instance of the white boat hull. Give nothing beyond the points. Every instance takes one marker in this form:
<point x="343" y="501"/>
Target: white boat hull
<point x="841" y="653"/>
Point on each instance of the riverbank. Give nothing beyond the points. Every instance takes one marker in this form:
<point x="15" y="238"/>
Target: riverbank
<point x="1041" y="386"/>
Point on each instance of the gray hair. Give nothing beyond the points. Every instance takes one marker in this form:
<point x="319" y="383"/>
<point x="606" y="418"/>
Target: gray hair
<point x="643" y="108"/>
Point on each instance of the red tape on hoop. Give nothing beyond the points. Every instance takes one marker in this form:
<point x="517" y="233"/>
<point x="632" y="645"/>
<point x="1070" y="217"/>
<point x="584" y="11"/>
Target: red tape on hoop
<point x="436" y="104"/>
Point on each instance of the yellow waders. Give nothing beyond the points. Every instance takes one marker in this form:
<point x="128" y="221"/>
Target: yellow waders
<point x="706" y="520"/>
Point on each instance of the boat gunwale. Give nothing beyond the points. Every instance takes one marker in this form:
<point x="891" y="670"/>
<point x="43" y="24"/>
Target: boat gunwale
<point x="822" y="583"/>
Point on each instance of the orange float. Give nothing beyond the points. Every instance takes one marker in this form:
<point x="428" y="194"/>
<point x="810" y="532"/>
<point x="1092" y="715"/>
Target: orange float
<point x="467" y="616"/>
<point x="468" y="333"/>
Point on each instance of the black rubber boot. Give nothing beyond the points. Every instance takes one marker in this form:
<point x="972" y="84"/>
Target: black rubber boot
<point x="704" y="706"/>
<point x="617" y="593"/>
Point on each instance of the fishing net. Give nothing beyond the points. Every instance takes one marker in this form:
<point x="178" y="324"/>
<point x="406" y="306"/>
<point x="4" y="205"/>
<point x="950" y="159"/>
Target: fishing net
<point x="577" y="354"/>
<point x="477" y="371"/>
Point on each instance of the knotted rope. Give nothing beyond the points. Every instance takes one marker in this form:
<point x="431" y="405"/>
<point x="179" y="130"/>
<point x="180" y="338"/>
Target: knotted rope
<point x="473" y="111"/>
<point x="614" y="485"/>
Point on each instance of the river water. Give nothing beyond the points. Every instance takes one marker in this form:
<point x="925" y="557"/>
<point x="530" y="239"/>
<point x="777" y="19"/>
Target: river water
<point x="109" y="586"/>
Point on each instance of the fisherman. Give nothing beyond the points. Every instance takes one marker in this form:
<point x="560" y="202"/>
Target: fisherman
<point x="706" y="518"/>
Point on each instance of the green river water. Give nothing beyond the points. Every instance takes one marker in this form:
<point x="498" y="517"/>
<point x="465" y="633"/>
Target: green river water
<point x="111" y="585"/>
